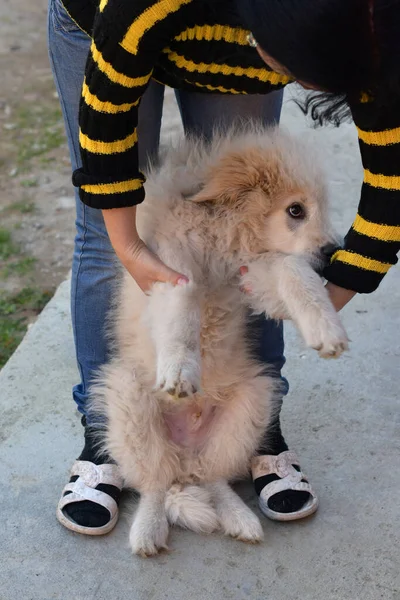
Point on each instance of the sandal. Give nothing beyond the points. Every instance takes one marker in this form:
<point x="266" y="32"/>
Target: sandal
<point x="89" y="476"/>
<point x="289" y="478"/>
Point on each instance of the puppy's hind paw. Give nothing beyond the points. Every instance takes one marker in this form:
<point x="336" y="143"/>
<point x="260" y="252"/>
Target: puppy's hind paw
<point x="179" y="380"/>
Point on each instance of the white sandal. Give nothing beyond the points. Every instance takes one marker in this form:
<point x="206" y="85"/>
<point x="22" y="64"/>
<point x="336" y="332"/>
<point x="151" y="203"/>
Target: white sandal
<point x="289" y="479"/>
<point x="89" y="477"/>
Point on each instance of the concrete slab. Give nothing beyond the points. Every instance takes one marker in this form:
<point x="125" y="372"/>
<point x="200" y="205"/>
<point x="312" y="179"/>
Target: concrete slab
<point x="342" y="417"/>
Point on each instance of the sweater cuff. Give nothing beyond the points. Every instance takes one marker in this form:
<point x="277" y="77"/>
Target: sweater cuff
<point x="108" y="192"/>
<point x="348" y="270"/>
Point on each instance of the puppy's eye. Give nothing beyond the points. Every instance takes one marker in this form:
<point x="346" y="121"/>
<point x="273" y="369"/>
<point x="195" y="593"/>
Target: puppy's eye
<point x="296" y="211"/>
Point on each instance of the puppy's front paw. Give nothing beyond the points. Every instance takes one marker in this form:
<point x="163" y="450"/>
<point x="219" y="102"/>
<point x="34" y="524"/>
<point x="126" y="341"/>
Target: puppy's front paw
<point x="148" y="538"/>
<point x="243" y="525"/>
<point x="180" y="379"/>
<point x="326" y="334"/>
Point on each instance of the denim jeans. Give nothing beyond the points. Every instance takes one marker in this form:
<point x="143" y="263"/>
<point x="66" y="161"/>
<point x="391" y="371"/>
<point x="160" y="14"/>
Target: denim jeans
<point x="93" y="266"/>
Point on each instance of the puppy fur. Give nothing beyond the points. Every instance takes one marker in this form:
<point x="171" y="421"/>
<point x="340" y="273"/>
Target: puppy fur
<point x="185" y="401"/>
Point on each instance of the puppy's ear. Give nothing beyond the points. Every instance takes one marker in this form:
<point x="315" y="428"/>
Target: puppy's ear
<point x="229" y="181"/>
<point x="234" y="180"/>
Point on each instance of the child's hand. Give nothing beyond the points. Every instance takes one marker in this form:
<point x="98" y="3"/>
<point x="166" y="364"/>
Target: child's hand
<point x="144" y="266"/>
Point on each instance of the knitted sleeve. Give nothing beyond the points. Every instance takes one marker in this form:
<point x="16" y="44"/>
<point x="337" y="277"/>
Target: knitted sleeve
<point x="127" y="38"/>
<point x="373" y="241"/>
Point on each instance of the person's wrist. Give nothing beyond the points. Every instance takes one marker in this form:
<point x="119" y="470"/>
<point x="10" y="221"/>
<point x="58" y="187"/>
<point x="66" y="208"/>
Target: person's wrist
<point x="339" y="296"/>
<point x="121" y="229"/>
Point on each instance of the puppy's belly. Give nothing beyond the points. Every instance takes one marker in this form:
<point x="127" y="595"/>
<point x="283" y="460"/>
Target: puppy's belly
<point x="188" y="427"/>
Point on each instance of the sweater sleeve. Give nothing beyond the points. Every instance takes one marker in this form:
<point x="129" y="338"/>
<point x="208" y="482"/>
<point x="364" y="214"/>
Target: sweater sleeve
<point x="127" y="39"/>
<point x="373" y="241"/>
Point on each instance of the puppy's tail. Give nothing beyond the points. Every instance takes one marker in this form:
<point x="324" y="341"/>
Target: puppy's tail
<point x="190" y="507"/>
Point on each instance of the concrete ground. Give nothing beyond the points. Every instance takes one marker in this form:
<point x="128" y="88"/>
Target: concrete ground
<point x="342" y="418"/>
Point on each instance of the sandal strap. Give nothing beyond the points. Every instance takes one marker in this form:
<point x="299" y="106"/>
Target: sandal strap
<point x="280" y="465"/>
<point x="79" y="492"/>
<point x="282" y="485"/>
<point x="93" y="474"/>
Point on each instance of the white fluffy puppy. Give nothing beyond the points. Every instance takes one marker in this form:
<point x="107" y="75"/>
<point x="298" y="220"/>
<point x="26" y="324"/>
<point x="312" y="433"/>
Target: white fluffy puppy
<point x="185" y="400"/>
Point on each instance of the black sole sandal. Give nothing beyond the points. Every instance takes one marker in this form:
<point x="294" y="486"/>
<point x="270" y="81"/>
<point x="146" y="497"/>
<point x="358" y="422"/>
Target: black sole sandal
<point x="88" y="477"/>
<point x="287" y="478"/>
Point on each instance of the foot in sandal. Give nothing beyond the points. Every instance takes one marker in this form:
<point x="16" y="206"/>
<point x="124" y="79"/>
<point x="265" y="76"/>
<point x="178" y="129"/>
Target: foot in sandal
<point x="284" y="491"/>
<point x="89" y="502"/>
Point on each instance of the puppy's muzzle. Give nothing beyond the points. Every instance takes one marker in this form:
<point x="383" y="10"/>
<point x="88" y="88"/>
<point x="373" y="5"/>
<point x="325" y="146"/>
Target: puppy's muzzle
<point x="323" y="259"/>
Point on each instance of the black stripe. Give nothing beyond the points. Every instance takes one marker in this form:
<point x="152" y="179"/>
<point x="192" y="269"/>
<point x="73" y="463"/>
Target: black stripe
<point x="108" y="127"/>
<point x="83" y="13"/>
<point x="81" y="177"/>
<point x="369" y="117"/>
<point x="351" y="278"/>
<point x="380" y="206"/>
<point x="241" y="83"/>
<point x="104" y="201"/>
<point x="105" y="89"/>
<point x="219" y="52"/>
<point x="119" y="166"/>
<point x="123" y="62"/>
<point x="381" y="159"/>
<point x="372" y="248"/>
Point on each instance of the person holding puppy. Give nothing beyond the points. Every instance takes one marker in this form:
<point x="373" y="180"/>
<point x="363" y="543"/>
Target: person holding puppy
<point x="111" y="60"/>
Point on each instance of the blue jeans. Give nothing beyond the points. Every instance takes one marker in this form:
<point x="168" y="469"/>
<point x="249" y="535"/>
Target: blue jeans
<point x="93" y="267"/>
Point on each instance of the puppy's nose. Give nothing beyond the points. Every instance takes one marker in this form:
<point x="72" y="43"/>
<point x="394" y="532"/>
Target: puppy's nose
<point x="329" y="249"/>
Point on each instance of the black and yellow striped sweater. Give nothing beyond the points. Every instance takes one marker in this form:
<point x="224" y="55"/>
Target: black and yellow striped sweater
<point x="199" y="45"/>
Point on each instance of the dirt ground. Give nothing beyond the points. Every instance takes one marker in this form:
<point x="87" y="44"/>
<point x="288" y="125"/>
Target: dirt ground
<point x="36" y="195"/>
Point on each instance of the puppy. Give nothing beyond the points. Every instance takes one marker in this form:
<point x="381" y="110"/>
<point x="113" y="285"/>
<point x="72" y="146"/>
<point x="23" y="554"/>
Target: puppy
<point x="185" y="401"/>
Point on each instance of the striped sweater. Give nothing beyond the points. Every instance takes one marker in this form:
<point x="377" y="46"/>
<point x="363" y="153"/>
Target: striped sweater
<point x="200" y="45"/>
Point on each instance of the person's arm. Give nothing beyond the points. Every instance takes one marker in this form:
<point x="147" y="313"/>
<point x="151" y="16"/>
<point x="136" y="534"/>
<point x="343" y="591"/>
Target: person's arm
<point x="144" y="266"/>
<point x="127" y="39"/>
<point x="373" y="241"/>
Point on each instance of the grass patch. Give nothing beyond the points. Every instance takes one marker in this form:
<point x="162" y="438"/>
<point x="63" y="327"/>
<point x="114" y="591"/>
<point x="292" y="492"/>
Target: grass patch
<point x="24" y="207"/>
<point x="7" y="246"/>
<point x="19" y="267"/>
<point x="29" y="183"/>
<point x="40" y="130"/>
<point x="15" y="311"/>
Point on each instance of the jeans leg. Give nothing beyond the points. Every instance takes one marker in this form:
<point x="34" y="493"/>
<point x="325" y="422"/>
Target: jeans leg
<point x="201" y="114"/>
<point x="94" y="262"/>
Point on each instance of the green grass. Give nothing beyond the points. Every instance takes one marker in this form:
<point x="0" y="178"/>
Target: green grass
<point x="29" y="183"/>
<point x="23" y="206"/>
<point x="20" y="267"/>
<point x="14" y="312"/>
<point x="7" y="246"/>
<point x="38" y="130"/>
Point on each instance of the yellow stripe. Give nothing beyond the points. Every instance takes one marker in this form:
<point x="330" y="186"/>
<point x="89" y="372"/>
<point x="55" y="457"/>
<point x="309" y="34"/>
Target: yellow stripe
<point x="115" y="76"/>
<point x="385" y="182"/>
<point x="104" y="107"/>
<point x="251" y="72"/>
<point x="114" y="188"/>
<point x="159" y="11"/>
<point x="217" y="88"/>
<point x="102" y="5"/>
<point x="232" y="35"/>
<point x="380" y="138"/>
<point x="361" y="262"/>
<point x="385" y="233"/>
<point x="98" y="147"/>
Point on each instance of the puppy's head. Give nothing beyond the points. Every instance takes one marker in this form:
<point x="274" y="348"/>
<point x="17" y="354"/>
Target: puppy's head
<point x="271" y="194"/>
